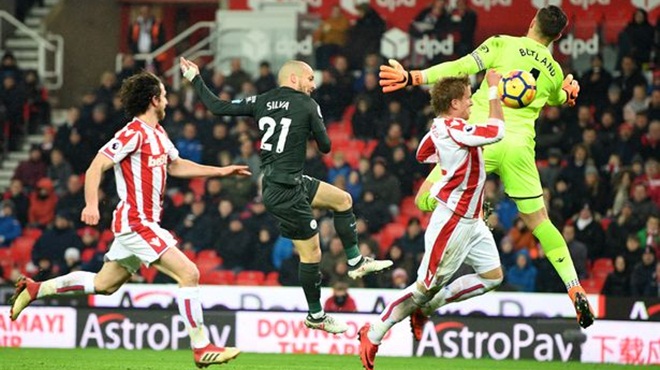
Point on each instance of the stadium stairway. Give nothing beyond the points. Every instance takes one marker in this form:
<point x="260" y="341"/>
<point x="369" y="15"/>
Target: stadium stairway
<point x="23" y="47"/>
<point x="8" y="166"/>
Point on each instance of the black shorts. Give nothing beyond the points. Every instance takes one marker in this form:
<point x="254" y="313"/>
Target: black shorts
<point x="292" y="206"/>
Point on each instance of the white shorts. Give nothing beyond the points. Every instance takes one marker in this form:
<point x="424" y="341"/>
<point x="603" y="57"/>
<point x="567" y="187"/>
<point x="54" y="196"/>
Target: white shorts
<point x="145" y="244"/>
<point x="451" y="240"/>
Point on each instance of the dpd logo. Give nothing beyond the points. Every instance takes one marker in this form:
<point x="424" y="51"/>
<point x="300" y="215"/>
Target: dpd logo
<point x="647" y="5"/>
<point x="487" y="4"/>
<point x="391" y="5"/>
<point x="585" y="4"/>
<point x="255" y="45"/>
<point x="291" y="47"/>
<point x="538" y="4"/>
<point x="576" y="47"/>
<point x="396" y="44"/>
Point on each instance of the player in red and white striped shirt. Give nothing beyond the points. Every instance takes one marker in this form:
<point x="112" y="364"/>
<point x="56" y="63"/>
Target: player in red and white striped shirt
<point x="456" y="233"/>
<point x="142" y="155"/>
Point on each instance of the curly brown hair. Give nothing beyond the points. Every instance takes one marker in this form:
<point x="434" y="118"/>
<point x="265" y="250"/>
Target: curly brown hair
<point x="137" y="91"/>
<point x="446" y="90"/>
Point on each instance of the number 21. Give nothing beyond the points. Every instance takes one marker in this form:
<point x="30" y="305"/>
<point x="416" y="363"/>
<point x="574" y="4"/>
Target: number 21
<point x="268" y="124"/>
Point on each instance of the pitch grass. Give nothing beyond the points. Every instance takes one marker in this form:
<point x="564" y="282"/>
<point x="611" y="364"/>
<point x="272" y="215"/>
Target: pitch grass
<point x="96" y="359"/>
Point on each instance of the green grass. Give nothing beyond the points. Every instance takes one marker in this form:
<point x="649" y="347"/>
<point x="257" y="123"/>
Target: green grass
<point x="96" y="359"/>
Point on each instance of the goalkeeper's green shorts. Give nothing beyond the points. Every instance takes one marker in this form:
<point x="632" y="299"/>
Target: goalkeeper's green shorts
<point x="516" y="166"/>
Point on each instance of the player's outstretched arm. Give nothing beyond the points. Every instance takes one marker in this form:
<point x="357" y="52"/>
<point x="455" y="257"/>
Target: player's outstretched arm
<point x="90" y="214"/>
<point x="184" y="168"/>
<point x="217" y="106"/>
<point x="394" y="77"/>
<point x="572" y="88"/>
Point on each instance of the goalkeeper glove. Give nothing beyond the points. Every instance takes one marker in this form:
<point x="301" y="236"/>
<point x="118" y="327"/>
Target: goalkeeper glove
<point x="394" y="77"/>
<point x="426" y="202"/>
<point x="571" y="88"/>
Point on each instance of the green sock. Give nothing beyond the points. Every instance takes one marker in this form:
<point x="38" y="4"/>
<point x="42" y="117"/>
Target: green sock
<point x="310" y="280"/>
<point x="347" y="232"/>
<point x="556" y="251"/>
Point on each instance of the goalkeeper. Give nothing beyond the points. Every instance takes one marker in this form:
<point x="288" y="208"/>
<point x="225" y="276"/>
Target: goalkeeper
<point x="513" y="157"/>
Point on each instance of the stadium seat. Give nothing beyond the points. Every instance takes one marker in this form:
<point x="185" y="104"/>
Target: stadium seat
<point x="605" y="223"/>
<point x="106" y="236"/>
<point x="32" y="233"/>
<point x="6" y="262"/>
<point x="177" y="198"/>
<point x="601" y="267"/>
<point x="87" y="254"/>
<point x="217" y="277"/>
<point x="208" y="260"/>
<point x="593" y="286"/>
<point x="191" y="254"/>
<point x="21" y="249"/>
<point x="272" y="279"/>
<point x="198" y="186"/>
<point x="248" y="277"/>
<point x="148" y="273"/>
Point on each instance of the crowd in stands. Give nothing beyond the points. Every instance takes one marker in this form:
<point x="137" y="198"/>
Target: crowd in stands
<point x="598" y="163"/>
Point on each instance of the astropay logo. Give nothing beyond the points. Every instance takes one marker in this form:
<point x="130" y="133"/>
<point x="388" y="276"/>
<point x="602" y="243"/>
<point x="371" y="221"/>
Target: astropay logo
<point x="396" y="44"/>
<point x="453" y="339"/>
<point x="575" y="47"/>
<point x="488" y="4"/>
<point x="114" y="330"/>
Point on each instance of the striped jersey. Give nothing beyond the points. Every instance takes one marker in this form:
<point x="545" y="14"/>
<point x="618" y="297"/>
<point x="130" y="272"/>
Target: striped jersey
<point x="455" y="146"/>
<point x="141" y="154"/>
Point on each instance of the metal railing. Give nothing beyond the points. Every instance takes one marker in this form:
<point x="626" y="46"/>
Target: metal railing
<point x="47" y="46"/>
<point x="201" y="48"/>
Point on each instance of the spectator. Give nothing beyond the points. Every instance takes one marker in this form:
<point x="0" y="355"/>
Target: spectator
<point x="266" y="80"/>
<point x="618" y="230"/>
<point x="412" y="241"/>
<point x="31" y="170"/>
<point x="13" y="99"/>
<point x="633" y="253"/>
<point x="106" y="89"/>
<point x="364" y="119"/>
<point x="432" y="22"/>
<point x="78" y="152"/>
<point x="194" y="228"/>
<point x="630" y="77"/>
<point x="189" y="146"/>
<point x="617" y="283"/>
<point x="10" y="228"/>
<point x="282" y="250"/>
<point x="146" y="35"/>
<point x="331" y="259"/>
<point x="328" y="97"/>
<point x="340" y="301"/>
<point x="637" y="38"/>
<point x="373" y="210"/>
<point x="550" y="130"/>
<point x="48" y="251"/>
<point x="314" y="165"/>
<point x="330" y="37"/>
<point x="464" y="22"/>
<point x="547" y="279"/>
<point x="71" y="261"/>
<point x="128" y="68"/>
<point x="550" y="173"/>
<point x="219" y="141"/>
<point x="365" y="35"/>
<point x="596" y="192"/>
<point x="64" y="130"/>
<point x="650" y="142"/>
<point x="382" y="184"/>
<point x="642" y="278"/>
<point x="248" y="156"/>
<point x="401" y="259"/>
<point x="238" y="76"/>
<point x="589" y="232"/>
<point x="260" y="219"/>
<point x="522" y="275"/>
<point x="42" y="204"/>
<point x="339" y="167"/>
<point x="289" y="270"/>
<point x="649" y="237"/>
<point x="37" y="106"/>
<point x="594" y="83"/>
<point x="522" y="238"/>
<point x="393" y="139"/>
<point x="261" y="261"/>
<point x="73" y="201"/>
<point x="642" y="205"/>
<point x="578" y="251"/>
<point x="237" y="247"/>
<point x="399" y="279"/>
<point x="59" y="171"/>
<point x="20" y="201"/>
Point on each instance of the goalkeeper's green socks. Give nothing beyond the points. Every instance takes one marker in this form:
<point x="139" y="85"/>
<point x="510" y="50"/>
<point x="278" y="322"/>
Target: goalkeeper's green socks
<point x="556" y="251"/>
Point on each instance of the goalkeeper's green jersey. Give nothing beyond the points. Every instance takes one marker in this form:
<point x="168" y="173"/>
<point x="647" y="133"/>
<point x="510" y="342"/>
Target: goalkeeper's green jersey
<point x="506" y="53"/>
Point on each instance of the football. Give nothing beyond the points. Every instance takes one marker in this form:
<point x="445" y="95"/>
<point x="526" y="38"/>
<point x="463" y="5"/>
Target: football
<point x="517" y="89"/>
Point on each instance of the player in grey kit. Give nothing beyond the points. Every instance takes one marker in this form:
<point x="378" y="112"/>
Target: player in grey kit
<point x="286" y="117"/>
